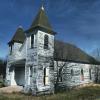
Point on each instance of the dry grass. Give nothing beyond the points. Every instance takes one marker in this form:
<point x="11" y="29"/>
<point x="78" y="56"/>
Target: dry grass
<point x="11" y="89"/>
<point x="85" y="93"/>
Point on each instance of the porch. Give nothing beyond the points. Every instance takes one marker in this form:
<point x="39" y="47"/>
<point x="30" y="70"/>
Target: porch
<point x="17" y="73"/>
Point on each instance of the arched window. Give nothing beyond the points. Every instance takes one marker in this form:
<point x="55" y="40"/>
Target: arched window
<point x="32" y="40"/>
<point x="82" y="75"/>
<point x="90" y="73"/>
<point x="46" y="38"/>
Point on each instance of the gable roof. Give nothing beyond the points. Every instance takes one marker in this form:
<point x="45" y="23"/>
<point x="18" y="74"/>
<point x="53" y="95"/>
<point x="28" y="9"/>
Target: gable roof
<point x="41" y="21"/>
<point x="69" y="52"/>
<point x="19" y="36"/>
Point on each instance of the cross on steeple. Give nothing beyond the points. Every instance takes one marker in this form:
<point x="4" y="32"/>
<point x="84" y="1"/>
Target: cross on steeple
<point x="42" y="7"/>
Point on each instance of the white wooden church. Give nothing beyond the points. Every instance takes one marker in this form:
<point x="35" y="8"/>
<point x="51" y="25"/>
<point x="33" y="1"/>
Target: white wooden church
<point x="36" y="59"/>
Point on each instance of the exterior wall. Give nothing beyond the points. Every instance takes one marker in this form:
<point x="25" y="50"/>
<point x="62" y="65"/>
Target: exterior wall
<point x="31" y="65"/>
<point x="37" y="61"/>
<point x="23" y="50"/>
<point x="45" y="57"/>
<point x="10" y="74"/>
<point x="40" y="43"/>
<point x="18" y="52"/>
<point x="75" y="79"/>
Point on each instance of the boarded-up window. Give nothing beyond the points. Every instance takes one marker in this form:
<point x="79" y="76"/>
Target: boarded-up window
<point x="90" y="73"/>
<point x="32" y="40"/>
<point x="82" y="75"/>
<point x="46" y="42"/>
<point x="46" y="76"/>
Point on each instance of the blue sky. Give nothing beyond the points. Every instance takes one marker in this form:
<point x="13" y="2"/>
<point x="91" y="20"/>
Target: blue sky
<point x="75" y="21"/>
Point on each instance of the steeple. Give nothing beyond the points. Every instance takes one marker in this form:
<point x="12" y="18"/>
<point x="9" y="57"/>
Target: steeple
<point x="19" y="36"/>
<point x="41" y="21"/>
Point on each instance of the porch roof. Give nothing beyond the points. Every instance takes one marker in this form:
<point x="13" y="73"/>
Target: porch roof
<point x="19" y="62"/>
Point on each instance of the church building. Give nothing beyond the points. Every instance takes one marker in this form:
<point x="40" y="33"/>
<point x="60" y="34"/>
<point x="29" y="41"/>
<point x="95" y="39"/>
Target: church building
<point x="39" y="62"/>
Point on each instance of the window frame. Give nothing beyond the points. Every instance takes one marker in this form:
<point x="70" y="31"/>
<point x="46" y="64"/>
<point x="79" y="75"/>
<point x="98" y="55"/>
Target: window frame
<point x="46" y="75"/>
<point x="82" y="75"/>
<point x="31" y="71"/>
<point x="90" y="74"/>
<point x="32" y="40"/>
<point x="46" y="41"/>
<point x="11" y="48"/>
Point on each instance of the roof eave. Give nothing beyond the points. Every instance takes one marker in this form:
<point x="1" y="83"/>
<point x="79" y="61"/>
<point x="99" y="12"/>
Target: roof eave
<point x="41" y="28"/>
<point x="12" y="42"/>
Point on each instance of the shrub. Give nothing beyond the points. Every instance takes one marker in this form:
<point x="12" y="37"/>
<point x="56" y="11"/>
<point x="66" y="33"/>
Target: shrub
<point x="1" y="82"/>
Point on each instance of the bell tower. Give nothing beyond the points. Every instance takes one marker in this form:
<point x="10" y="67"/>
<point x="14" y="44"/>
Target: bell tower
<point x="40" y="50"/>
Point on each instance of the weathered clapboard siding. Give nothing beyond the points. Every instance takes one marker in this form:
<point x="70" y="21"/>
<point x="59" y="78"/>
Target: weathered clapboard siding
<point x="14" y="56"/>
<point x="38" y="59"/>
<point x="76" y="78"/>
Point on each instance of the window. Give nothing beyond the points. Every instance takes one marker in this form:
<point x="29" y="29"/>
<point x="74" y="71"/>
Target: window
<point x="90" y="74"/>
<point x="46" y="74"/>
<point x="72" y="72"/>
<point x="82" y="75"/>
<point x="10" y="49"/>
<point x="46" y="42"/>
<point x="31" y="71"/>
<point x="32" y="40"/>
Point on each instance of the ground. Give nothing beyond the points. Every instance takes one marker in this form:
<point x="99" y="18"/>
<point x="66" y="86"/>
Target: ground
<point x="11" y="89"/>
<point x="89" y="92"/>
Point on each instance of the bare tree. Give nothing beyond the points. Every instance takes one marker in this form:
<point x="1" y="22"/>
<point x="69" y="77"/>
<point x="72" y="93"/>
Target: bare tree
<point x="61" y="58"/>
<point x="65" y="53"/>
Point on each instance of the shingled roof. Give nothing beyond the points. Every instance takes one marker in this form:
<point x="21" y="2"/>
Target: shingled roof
<point x="69" y="52"/>
<point x="19" y="36"/>
<point x="41" y="21"/>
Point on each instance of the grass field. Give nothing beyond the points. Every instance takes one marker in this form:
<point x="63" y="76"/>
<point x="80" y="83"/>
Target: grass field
<point x="86" y="93"/>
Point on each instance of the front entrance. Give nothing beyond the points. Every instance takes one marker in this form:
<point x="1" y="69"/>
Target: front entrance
<point x="20" y="75"/>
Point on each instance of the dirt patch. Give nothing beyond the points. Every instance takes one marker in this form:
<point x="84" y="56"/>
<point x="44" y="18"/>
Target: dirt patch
<point x="11" y="89"/>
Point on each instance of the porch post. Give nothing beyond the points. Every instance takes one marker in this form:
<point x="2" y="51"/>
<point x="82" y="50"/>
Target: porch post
<point x="12" y="76"/>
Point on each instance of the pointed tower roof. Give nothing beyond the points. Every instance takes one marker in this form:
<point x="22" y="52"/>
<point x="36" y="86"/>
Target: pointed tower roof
<point x="41" y="21"/>
<point x="19" y="36"/>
